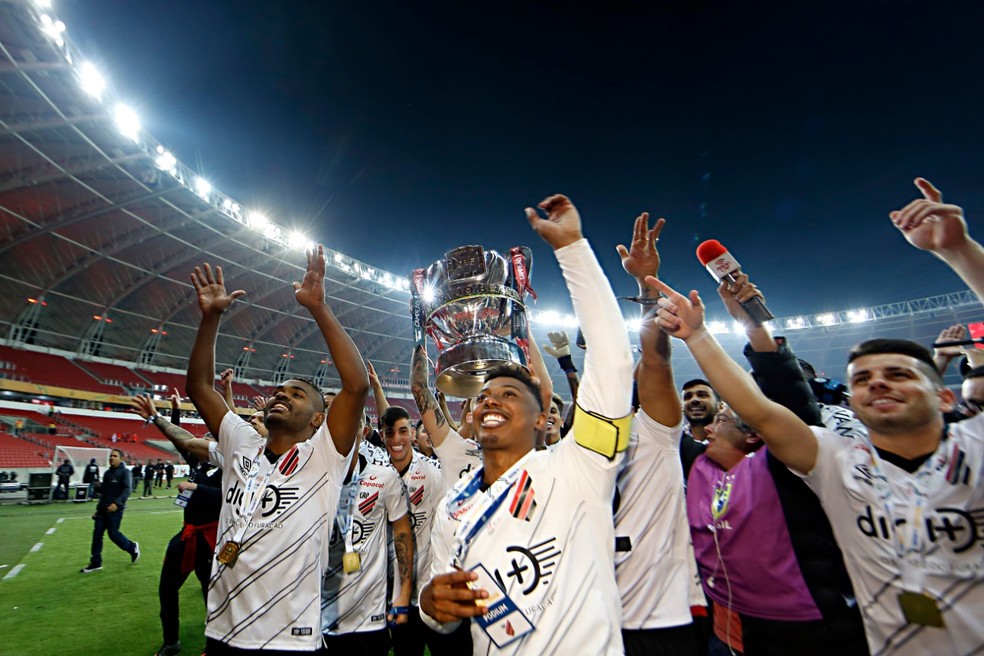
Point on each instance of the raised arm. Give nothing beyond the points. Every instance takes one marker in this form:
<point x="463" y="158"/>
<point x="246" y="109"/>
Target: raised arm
<point x="657" y="391"/>
<point x="226" y="379"/>
<point x="539" y="369"/>
<point x="605" y="395"/>
<point x="787" y="436"/>
<point x="442" y="400"/>
<point x="403" y="546"/>
<point x="179" y="437"/>
<point x="944" y="355"/>
<point x="430" y="411"/>
<point x="213" y="300"/>
<point x="382" y="404"/>
<point x="931" y="225"/>
<point x="347" y="410"/>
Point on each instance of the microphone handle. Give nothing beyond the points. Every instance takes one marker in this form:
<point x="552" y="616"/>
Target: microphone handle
<point x="965" y="342"/>
<point x="755" y="308"/>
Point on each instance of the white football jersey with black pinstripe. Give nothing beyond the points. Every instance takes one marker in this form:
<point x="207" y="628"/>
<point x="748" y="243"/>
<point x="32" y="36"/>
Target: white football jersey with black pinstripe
<point x="270" y="598"/>
<point x="951" y="527"/>
<point x="356" y="602"/>
<point x="425" y="485"/>
<point x="458" y="456"/>
<point x="652" y="537"/>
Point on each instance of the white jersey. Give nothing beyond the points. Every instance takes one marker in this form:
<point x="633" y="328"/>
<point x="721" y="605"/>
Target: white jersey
<point x="270" y="598"/>
<point x="550" y="543"/>
<point x="425" y="486"/>
<point x="373" y="453"/>
<point x="458" y="456"/>
<point x="951" y="527"/>
<point x="652" y="537"/>
<point x="842" y="420"/>
<point x="351" y="603"/>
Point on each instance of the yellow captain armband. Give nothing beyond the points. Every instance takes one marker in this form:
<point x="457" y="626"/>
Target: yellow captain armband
<point x="600" y="434"/>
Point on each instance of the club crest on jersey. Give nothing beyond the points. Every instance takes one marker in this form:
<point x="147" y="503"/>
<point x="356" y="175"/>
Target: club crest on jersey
<point x="417" y="496"/>
<point x="366" y="505"/>
<point x="522" y="504"/>
<point x="959" y="470"/>
<point x="289" y="461"/>
<point x="719" y="503"/>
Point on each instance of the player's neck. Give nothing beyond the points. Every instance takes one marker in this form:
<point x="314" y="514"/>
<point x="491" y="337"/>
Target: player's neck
<point x="279" y="443"/>
<point x="911" y="444"/>
<point x="497" y="462"/>
<point x="698" y="432"/>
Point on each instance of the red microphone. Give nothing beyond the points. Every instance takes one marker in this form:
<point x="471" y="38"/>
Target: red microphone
<point x="723" y="266"/>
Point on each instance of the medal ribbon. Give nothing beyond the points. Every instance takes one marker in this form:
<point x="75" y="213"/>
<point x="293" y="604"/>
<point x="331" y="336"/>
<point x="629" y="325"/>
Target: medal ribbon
<point x="910" y="544"/>
<point x="478" y="515"/>
<point x="346" y="510"/>
<point x="255" y="485"/>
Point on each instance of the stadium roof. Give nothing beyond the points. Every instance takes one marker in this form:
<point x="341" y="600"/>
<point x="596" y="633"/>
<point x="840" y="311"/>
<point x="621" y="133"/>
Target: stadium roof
<point x="100" y="227"/>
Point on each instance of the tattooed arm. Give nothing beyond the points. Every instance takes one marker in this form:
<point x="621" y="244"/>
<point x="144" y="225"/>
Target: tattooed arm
<point x="403" y="545"/>
<point x="179" y="437"/>
<point x="430" y="411"/>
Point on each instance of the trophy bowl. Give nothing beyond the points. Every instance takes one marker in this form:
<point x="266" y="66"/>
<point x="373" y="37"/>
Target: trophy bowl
<point x="475" y="315"/>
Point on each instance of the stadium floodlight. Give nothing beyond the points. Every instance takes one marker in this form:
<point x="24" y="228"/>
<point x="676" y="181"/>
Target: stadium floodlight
<point x="126" y="121"/>
<point x="737" y="328"/>
<point x="166" y="161"/>
<point x="717" y="327"/>
<point x="339" y="258"/>
<point x="54" y="29"/>
<point x="298" y="241"/>
<point x="795" y="323"/>
<point x="827" y="319"/>
<point x="91" y="81"/>
<point x="857" y="316"/>
<point x="549" y="318"/>
<point x="429" y="294"/>
<point x="634" y="324"/>
<point x="258" y="221"/>
<point x="203" y="188"/>
<point x="43" y="4"/>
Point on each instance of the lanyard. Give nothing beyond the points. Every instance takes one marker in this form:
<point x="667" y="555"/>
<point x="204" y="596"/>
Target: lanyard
<point x="476" y="515"/>
<point x="906" y="527"/>
<point x="346" y="511"/>
<point x="255" y="486"/>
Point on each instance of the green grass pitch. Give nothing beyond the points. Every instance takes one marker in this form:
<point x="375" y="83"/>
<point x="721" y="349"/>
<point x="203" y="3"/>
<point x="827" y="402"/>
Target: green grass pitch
<point x="51" y="608"/>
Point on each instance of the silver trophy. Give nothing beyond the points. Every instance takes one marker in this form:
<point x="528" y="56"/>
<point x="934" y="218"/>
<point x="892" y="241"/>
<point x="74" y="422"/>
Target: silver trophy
<point x="471" y="303"/>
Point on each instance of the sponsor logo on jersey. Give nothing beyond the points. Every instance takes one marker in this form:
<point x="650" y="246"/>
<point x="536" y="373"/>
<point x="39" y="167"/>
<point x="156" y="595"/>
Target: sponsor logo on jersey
<point x="369" y="483"/>
<point x="275" y="499"/>
<point x="954" y="527"/>
<point x="302" y="631"/>
<point x="529" y="566"/>
<point x="417" y="519"/>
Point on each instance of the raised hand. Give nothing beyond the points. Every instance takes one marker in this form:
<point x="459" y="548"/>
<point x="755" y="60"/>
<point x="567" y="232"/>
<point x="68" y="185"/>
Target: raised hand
<point x="226" y="378"/>
<point x="929" y="224"/>
<point x="560" y="344"/>
<point x="259" y="402"/>
<point x="142" y="405"/>
<point x="641" y="259"/>
<point x="562" y="225"/>
<point x="175" y="399"/>
<point x="954" y="333"/>
<point x="310" y="292"/>
<point x="210" y="287"/>
<point x="738" y="292"/>
<point x="373" y="378"/>
<point x="679" y="315"/>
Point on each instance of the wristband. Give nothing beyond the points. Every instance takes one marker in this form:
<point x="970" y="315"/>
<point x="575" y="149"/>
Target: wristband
<point x="152" y="419"/>
<point x="400" y="610"/>
<point x="567" y="364"/>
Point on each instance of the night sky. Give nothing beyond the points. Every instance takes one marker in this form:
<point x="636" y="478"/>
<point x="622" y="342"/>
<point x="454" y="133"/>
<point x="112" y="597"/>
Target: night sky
<point x="393" y="131"/>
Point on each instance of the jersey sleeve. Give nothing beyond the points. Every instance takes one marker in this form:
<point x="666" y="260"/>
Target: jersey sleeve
<point x="395" y="497"/>
<point x="457" y="456"/>
<point x="825" y="474"/>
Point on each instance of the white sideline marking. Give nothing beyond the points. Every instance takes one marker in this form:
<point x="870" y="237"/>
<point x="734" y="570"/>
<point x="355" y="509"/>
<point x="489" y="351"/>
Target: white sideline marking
<point x="37" y="547"/>
<point x="14" y="572"/>
<point x="50" y="531"/>
<point x="60" y="520"/>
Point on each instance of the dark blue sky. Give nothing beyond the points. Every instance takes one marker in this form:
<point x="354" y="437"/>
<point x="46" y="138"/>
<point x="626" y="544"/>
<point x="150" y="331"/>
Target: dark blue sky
<point x="393" y="131"/>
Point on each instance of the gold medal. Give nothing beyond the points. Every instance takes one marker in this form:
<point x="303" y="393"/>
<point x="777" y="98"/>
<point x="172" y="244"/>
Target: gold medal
<point x="920" y="608"/>
<point x="351" y="562"/>
<point x="229" y="554"/>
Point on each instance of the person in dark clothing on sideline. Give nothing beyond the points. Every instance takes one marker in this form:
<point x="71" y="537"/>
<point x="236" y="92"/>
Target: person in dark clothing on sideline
<point x="149" y="472"/>
<point x="64" y="472"/>
<point x="137" y="473"/>
<point x="169" y="472"/>
<point x="89" y="477"/>
<point x="116" y="486"/>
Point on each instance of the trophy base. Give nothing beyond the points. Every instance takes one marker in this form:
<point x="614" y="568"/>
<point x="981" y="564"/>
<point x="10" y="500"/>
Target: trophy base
<point x="461" y="368"/>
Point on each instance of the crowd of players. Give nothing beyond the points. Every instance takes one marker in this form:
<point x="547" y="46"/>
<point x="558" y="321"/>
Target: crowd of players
<point x="736" y="515"/>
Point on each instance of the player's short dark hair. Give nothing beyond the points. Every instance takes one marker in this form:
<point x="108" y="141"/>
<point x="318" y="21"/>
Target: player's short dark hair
<point x="520" y="373"/>
<point x="393" y="414"/>
<point x="900" y="347"/>
<point x="314" y="388"/>
<point x="694" y="382"/>
<point x="559" y="401"/>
